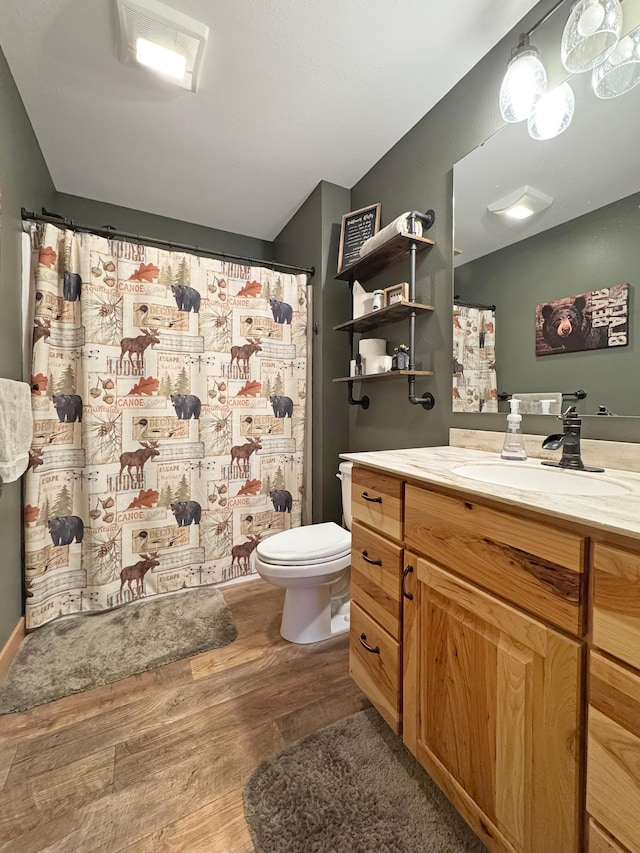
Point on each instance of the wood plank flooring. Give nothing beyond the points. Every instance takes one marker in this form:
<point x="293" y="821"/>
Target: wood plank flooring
<point x="157" y="762"/>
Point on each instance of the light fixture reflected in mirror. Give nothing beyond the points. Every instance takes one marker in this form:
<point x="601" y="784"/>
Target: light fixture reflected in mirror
<point x="620" y="72"/>
<point x="521" y="204"/>
<point x="524" y="81"/>
<point x="590" y="34"/>
<point x="552" y="113"/>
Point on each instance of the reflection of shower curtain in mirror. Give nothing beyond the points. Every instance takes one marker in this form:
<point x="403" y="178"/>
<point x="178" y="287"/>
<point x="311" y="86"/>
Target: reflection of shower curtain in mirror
<point x="475" y="387"/>
<point x="168" y="398"/>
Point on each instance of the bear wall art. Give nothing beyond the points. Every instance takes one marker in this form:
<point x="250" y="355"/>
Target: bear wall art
<point x="598" y="319"/>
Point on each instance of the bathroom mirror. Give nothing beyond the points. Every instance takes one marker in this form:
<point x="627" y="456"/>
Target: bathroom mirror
<point x="586" y="240"/>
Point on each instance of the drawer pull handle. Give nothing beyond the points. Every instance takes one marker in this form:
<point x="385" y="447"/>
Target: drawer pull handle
<point x="368" y="559"/>
<point x="407" y="571"/>
<point x="377" y="500"/>
<point x="373" y="651"/>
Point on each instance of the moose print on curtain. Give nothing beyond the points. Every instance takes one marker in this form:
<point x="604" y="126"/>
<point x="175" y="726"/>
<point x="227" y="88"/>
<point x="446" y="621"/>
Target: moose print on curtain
<point x="168" y="396"/>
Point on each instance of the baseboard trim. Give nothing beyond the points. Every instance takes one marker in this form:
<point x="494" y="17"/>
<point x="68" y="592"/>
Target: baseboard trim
<point x="8" y="651"/>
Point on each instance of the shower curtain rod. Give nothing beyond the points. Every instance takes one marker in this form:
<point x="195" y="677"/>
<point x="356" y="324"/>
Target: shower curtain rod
<point x="112" y="233"/>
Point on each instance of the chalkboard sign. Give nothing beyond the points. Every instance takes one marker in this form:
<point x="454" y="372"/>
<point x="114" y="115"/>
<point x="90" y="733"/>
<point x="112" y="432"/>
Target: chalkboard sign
<point x="357" y="227"/>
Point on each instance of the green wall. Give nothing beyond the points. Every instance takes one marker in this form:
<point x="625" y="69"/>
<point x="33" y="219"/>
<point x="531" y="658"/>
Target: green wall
<point x="311" y="239"/>
<point x="597" y="250"/>
<point x="24" y="181"/>
<point x="98" y="214"/>
<point x="418" y="173"/>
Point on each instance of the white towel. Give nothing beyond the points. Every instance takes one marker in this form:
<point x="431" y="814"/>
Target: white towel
<point x="16" y="428"/>
<point x="530" y="404"/>
<point x="400" y="225"/>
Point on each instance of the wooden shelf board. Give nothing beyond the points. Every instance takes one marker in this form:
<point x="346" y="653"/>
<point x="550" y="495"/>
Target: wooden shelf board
<point x="393" y="250"/>
<point x="390" y="314"/>
<point x="390" y="374"/>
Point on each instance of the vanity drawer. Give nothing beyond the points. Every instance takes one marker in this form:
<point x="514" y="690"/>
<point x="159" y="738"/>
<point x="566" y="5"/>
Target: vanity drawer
<point x="530" y="563"/>
<point x="616" y="602"/>
<point x="376" y="570"/>
<point x="376" y="500"/>
<point x="613" y="750"/>
<point x="376" y="672"/>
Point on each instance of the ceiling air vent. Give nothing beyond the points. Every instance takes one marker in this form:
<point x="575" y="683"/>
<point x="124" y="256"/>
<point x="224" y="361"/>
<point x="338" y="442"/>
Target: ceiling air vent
<point x="157" y="36"/>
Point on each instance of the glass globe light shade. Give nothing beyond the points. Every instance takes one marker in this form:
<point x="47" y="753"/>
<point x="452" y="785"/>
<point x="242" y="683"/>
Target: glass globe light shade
<point x="552" y="113"/>
<point x="524" y="81"/>
<point x="590" y="34"/>
<point x="620" y="72"/>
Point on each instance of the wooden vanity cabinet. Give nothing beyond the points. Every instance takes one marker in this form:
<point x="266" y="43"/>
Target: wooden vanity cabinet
<point x="613" y="740"/>
<point x="491" y="710"/>
<point x="492" y="683"/>
<point x="375" y="661"/>
<point x="474" y="641"/>
<point x="480" y="635"/>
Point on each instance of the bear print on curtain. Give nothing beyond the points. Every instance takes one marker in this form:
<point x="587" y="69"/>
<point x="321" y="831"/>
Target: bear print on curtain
<point x="168" y="396"/>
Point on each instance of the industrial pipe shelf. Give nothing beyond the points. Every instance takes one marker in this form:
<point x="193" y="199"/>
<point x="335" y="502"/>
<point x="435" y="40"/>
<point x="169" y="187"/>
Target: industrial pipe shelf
<point x="389" y="374"/>
<point x="391" y="314"/>
<point x="399" y="247"/>
<point x="391" y="252"/>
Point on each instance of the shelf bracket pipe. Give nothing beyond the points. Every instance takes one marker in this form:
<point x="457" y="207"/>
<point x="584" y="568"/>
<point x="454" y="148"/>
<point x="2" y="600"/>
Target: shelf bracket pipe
<point x="363" y="401"/>
<point x="428" y="401"/>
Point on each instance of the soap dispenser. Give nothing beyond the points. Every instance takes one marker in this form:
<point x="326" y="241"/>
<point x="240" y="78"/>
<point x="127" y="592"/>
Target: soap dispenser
<point x="513" y="447"/>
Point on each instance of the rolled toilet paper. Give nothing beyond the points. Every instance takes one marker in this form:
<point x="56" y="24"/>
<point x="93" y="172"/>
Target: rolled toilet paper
<point x="378" y="364"/>
<point x="369" y="347"/>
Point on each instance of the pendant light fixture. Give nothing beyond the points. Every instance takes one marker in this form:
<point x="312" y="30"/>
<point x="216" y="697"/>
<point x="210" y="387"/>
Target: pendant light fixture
<point x="524" y="81"/>
<point x="552" y="113"/>
<point x="620" y="72"/>
<point x="590" y="34"/>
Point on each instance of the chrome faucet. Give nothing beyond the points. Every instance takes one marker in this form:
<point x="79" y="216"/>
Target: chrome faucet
<point x="569" y="440"/>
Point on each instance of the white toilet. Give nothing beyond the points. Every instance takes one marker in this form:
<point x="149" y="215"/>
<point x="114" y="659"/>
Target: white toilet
<point x="313" y="564"/>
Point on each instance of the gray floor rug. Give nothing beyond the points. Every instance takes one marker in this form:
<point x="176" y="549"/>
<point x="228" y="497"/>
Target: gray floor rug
<point x="81" y="652"/>
<point x="352" y="788"/>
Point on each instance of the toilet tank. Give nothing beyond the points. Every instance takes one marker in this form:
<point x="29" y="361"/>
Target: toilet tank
<point x="345" y="477"/>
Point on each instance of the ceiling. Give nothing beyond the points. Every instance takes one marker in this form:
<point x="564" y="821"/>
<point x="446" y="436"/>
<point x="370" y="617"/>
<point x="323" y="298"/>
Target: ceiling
<point x="292" y="92"/>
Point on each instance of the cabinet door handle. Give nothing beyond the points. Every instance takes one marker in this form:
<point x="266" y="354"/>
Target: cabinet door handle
<point x="373" y="651"/>
<point x="407" y="571"/>
<point x="377" y="500"/>
<point x="368" y="559"/>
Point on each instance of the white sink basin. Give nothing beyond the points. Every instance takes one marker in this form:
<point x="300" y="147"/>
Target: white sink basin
<point x="556" y="481"/>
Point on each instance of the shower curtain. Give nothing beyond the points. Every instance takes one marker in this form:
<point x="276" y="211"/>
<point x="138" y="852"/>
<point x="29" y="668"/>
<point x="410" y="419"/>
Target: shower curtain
<point x="475" y="384"/>
<point x="168" y="395"/>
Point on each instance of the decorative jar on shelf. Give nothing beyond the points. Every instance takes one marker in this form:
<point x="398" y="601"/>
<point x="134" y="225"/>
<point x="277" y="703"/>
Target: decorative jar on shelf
<point x="401" y="358"/>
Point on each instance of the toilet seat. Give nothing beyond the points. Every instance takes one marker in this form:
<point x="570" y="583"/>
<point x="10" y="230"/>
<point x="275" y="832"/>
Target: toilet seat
<point x="311" y="545"/>
<point x="299" y="571"/>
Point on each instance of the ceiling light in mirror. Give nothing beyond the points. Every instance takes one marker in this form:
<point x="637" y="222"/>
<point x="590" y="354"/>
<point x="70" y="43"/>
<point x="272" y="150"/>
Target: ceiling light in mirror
<point x="552" y="113"/>
<point x="521" y="204"/>
<point x="620" y="72"/>
<point x="160" y="59"/>
<point x="590" y="34"/>
<point x="524" y="81"/>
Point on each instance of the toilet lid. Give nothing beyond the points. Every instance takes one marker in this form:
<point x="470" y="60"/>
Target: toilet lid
<point x="304" y="544"/>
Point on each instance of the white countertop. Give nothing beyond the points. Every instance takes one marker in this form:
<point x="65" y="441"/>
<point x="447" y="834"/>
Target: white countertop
<point x="435" y="465"/>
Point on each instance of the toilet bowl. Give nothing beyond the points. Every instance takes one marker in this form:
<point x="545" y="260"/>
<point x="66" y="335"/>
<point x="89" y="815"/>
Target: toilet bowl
<point x="312" y="563"/>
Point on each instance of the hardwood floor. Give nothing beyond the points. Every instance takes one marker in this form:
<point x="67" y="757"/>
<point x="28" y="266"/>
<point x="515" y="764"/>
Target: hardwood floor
<point x="158" y="762"/>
